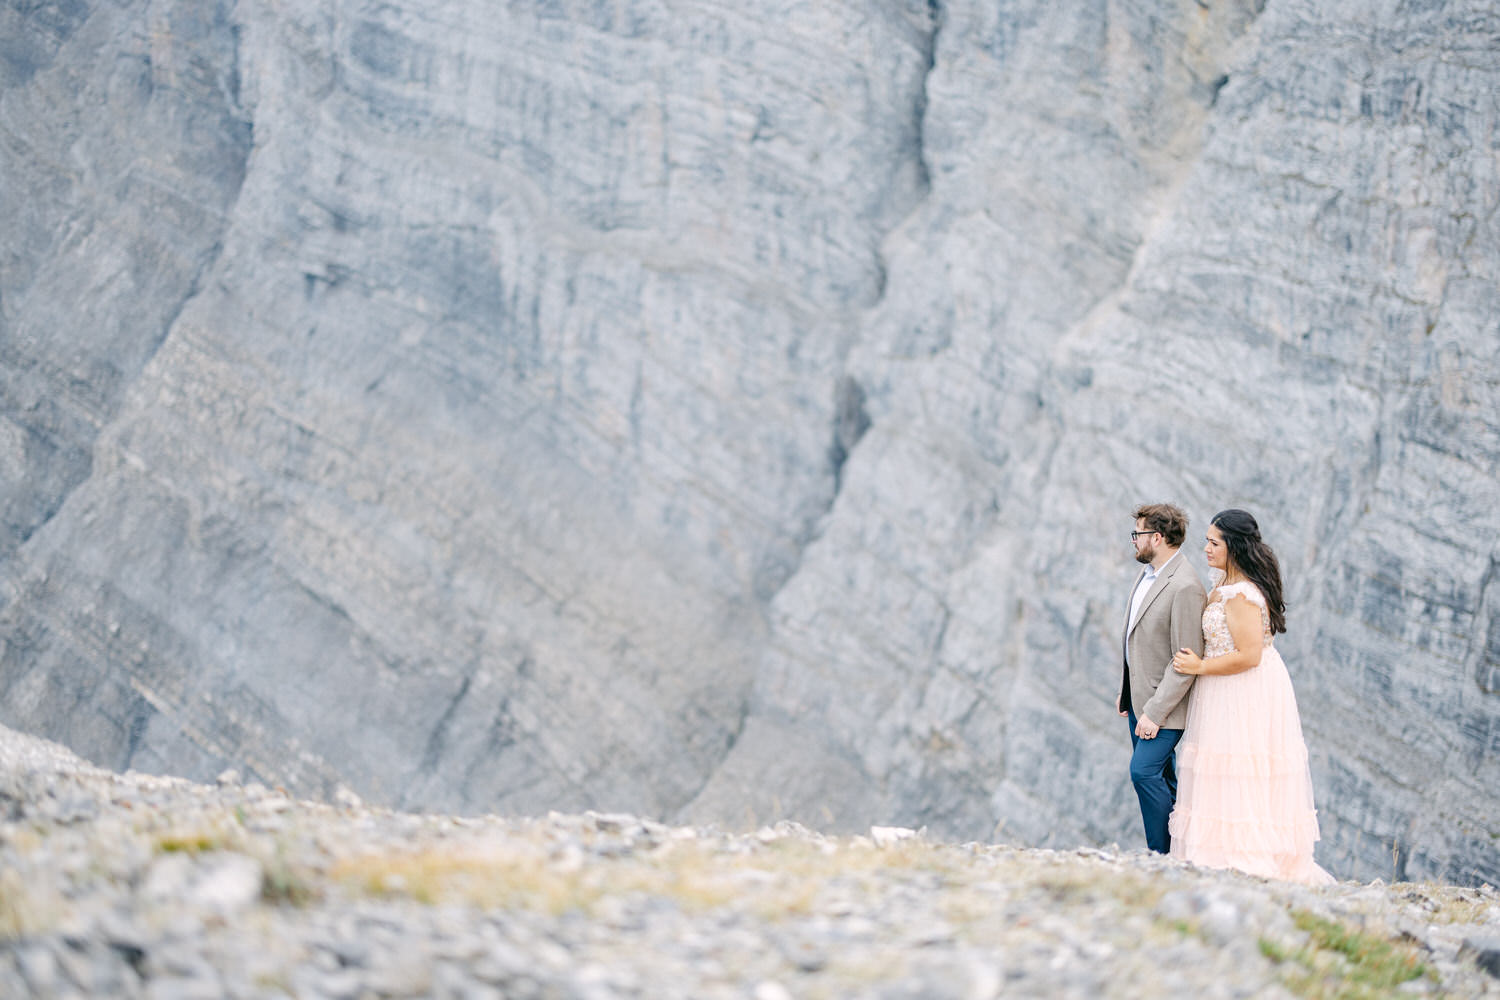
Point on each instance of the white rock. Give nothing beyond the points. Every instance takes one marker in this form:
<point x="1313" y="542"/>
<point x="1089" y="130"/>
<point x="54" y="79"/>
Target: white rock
<point x="885" y="836"/>
<point x="227" y="881"/>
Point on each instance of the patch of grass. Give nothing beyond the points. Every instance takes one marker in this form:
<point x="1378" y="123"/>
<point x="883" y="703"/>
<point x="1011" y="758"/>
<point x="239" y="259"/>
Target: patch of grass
<point x="1078" y="883"/>
<point x="281" y="882"/>
<point x="1378" y="962"/>
<point x="776" y="879"/>
<point x="1340" y="963"/>
<point x="198" y="833"/>
<point x="1444" y="904"/>
<point x="523" y="876"/>
<point x="197" y="842"/>
<point x="436" y="875"/>
<point x="985" y="895"/>
<point x="1275" y="952"/>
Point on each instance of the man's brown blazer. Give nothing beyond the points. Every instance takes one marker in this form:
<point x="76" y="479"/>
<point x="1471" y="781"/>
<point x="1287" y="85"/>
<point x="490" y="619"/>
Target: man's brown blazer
<point x="1170" y="619"/>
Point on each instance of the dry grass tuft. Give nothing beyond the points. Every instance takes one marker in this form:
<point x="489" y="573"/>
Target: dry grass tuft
<point x="26" y="910"/>
<point x="189" y="843"/>
<point x="782" y="877"/>
<point x="1445" y="904"/>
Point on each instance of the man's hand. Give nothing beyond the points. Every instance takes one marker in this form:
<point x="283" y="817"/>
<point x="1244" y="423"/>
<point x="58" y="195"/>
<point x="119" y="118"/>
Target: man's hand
<point x="1146" y="729"/>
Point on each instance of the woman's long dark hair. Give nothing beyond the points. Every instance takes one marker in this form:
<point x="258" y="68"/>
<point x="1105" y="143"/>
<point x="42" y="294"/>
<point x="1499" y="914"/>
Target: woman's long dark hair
<point x="1254" y="559"/>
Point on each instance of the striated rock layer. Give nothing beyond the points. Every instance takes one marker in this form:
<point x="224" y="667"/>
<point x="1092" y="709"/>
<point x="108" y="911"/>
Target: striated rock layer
<point x="734" y="413"/>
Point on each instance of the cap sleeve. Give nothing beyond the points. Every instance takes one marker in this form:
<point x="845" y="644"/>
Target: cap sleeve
<point x="1244" y="589"/>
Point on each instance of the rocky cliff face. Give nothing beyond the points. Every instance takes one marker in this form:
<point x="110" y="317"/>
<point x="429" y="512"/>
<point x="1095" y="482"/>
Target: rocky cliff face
<point x="729" y="413"/>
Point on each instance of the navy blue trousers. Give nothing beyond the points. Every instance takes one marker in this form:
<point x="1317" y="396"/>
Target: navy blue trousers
<point x="1154" y="775"/>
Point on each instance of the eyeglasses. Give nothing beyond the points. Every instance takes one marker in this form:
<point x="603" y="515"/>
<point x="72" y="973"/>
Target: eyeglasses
<point x="1137" y="534"/>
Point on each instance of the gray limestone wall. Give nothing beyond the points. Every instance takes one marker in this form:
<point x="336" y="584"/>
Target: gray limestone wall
<point x="733" y="413"/>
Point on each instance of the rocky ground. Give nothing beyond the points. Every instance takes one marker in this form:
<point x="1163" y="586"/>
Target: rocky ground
<point x="140" y="886"/>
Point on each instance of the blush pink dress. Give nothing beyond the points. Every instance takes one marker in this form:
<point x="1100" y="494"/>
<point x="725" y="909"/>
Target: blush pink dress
<point x="1244" y="791"/>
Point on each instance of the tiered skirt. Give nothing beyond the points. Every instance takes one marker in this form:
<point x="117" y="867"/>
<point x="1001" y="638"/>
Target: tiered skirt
<point x="1244" y="791"/>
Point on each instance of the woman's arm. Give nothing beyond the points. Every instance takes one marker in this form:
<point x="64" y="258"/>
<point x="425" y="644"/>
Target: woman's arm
<point x="1243" y="618"/>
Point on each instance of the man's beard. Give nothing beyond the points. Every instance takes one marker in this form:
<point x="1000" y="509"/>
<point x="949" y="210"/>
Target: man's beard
<point x="1146" y="555"/>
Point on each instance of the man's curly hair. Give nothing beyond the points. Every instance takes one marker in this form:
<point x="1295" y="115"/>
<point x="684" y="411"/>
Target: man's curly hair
<point x="1163" y="517"/>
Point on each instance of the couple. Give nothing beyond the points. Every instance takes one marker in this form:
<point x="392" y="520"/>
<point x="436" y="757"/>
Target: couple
<point x="1203" y="678"/>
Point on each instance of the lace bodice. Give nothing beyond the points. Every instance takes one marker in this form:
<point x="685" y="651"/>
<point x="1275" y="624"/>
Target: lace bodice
<point x="1216" y="638"/>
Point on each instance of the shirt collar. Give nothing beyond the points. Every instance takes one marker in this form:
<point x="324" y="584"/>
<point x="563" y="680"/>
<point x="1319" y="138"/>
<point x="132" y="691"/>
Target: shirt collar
<point x="1152" y="572"/>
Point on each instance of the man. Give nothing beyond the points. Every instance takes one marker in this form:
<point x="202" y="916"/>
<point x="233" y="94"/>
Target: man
<point x="1164" y="614"/>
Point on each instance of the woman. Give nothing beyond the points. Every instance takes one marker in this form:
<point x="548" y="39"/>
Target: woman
<point x="1244" y="797"/>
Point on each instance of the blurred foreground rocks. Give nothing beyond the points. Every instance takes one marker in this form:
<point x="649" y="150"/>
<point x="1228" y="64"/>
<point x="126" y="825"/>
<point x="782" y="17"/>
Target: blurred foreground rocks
<point x="730" y="414"/>
<point x="127" y="886"/>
